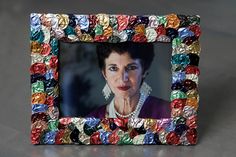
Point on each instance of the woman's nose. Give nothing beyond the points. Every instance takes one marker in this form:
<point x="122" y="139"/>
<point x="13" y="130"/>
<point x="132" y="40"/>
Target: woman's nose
<point x="125" y="76"/>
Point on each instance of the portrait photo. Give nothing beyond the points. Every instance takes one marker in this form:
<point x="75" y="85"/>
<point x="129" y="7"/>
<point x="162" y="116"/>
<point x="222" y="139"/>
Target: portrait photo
<point x="111" y="80"/>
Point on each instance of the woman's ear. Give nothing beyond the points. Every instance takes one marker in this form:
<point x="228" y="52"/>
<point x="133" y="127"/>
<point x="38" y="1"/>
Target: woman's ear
<point x="104" y="74"/>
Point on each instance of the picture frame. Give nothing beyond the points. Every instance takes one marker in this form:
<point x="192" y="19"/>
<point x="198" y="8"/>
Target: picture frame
<point x="47" y="127"/>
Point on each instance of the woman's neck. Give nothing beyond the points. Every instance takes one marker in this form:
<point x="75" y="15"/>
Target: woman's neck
<point x="126" y="105"/>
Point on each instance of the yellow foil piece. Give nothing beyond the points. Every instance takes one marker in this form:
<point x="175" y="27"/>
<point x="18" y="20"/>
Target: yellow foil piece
<point x="172" y="21"/>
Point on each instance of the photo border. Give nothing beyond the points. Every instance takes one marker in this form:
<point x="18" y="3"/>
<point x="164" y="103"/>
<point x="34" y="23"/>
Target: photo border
<point x="46" y="30"/>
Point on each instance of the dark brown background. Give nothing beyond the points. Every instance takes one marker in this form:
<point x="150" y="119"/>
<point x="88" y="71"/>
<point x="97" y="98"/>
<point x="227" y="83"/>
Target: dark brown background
<point x="217" y="80"/>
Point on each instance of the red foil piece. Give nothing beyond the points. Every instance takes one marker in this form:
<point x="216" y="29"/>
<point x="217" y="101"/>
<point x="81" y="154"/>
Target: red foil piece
<point x="59" y="136"/>
<point x="95" y="138"/>
<point x="55" y="75"/>
<point x="53" y="62"/>
<point x="178" y="103"/>
<point x="65" y="121"/>
<point x="92" y="21"/>
<point x="101" y="38"/>
<point x="46" y="49"/>
<point x="39" y="116"/>
<point x="38" y="68"/>
<point x="191" y="122"/>
<point x="121" y="123"/>
<point x="123" y="21"/>
<point x="35" y="135"/>
<point x="113" y="138"/>
<point x="139" y="38"/>
<point x="172" y="138"/>
<point x="191" y="69"/>
<point x="133" y="133"/>
<point x="192" y="136"/>
<point x="160" y="30"/>
<point x="196" y="30"/>
<point x="49" y="101"/>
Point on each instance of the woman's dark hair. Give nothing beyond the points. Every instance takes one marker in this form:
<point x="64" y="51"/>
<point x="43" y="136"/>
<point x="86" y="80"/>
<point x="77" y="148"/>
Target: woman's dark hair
<point x="142" y="51"/>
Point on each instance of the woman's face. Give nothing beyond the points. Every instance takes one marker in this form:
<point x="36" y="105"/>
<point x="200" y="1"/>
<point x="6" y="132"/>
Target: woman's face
<point x="123" y="74"/>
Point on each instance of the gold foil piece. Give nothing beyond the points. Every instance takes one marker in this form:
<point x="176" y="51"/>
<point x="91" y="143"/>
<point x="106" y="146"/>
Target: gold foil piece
<point x="63" y="20"/>
<point x="38" y="98"/>
<point x="35" y="47"/>
<point x="194" y="48"/>
<point x="172" y="21"/>
<point x="103" y="19"/>
<point x="140" y="29"/>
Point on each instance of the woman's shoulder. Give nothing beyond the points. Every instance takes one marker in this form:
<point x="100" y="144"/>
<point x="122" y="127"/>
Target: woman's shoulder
<point x="155" y="108"/>
<point x="98" y="113"/>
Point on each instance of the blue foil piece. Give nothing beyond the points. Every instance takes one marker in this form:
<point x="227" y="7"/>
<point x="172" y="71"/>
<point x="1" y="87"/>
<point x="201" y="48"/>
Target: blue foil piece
<point x="92" y="122"/>
<point x="54" y="46"/>
<point x="36" y="108"/>
<point x="49" y="74"/>
<point x="170" y="126"/>
<point x="182" y="59"/>
<point x="35" y="23"/>
<point x="184" y="33"/>
<point x="49" y="137"/>
<point x="104" y="137"/>
<point x="83" y="22"/>
<point x="178" y="77"/>
<point x="149" y="138"/>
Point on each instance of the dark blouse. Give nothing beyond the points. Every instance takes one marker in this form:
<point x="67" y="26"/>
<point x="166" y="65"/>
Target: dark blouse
<point x="152" y="108"/>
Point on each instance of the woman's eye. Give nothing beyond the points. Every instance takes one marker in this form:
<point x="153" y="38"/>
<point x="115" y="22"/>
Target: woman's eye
<point x="132" y="67"/>
<point x="113" y="68"/>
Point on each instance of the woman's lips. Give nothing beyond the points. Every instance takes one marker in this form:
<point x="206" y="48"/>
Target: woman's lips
<point x="123" y="88"/>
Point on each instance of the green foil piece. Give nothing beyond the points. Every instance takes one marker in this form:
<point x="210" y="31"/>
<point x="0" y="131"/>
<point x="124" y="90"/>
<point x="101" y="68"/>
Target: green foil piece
<point x="176" y="42"/>
<point x="177" y="94"/>
<point x="162" y="20"/>
<point x="113" y="22"/>
<point x="125" y="139"/>
<point x="194" y="20"/>
<point x="37" y="35"/>
<point x="179" y="120"/>
<point x="99" y="30"/>
<point x="53" y="125"/>
<point x="37" y="87"/>
<point x="69" y="30"/>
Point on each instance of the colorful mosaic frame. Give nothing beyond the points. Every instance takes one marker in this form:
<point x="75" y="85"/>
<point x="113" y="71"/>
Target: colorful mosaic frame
<point x="182" y="31"/>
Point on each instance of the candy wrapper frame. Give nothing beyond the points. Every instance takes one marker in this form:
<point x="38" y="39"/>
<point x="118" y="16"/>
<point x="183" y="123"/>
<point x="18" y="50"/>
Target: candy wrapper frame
<point x="46" y="30"/>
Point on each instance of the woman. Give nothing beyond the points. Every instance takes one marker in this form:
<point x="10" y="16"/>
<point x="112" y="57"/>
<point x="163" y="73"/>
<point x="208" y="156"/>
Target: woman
<point x="125" y="67"/>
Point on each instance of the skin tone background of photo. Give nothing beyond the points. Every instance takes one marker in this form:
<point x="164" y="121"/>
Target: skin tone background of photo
<point x="217" y="88"/>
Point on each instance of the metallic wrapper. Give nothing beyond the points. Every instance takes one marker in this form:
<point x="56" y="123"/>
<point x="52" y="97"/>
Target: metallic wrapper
<point x="35" y="47"/>
<point x="63" y="20"/>
<point x="123" y="21"/>
<point x="189" y="111"/>
<point x="172" y="21"/>
<point x="103" y="20"/>
<point x="192" y="77"/>
<point x="37" y="58"/>
<point x="38" y="98"/>
<point x="153" y="21"/>
<point x="53" y="112"/>
<point x="37" y="87"/>
<point x="139" y="139"/>
<point x="135" y="122"/>
<point x="194" y="48"/>
<point x="151" y="34"/>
